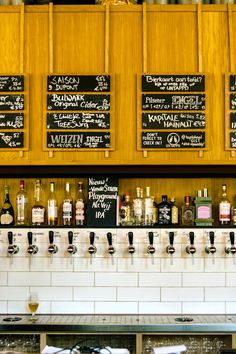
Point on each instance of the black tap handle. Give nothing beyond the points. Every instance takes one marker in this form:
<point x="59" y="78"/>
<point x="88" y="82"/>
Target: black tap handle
<point x="92" y="238"/>
<point x="130" y="237"/>
<point x="70" y="237"/>
<point x="30" y="238"/>
<point x="150" y="236"/>
<point x="171" y="237"/>
<point x="51" y="237"/>
<point x="10" y="237"/>
<point x="231" y="235"/>
<point x="109" y="238"/>
<point x="191" y="238"/>
<point x="212" y="237"/>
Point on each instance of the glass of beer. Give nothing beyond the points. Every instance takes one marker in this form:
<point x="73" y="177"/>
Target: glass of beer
<point x="33" y="304"/>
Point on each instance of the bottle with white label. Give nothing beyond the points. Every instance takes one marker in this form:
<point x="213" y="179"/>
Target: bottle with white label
<point x="138" y="207"/>
<point x="148" y="208"/>
<point x="7" y="211"/>
<point x="22" y="205"/>
<point x="67" y="207"/>
<point x="80" y="206"/>
<point x="52" y="206"/>
<point x="224" y="207"/>
<point x="38" y="209"/>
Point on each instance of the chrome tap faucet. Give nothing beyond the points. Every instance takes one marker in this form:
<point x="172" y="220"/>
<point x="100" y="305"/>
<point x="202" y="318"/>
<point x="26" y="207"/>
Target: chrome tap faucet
<point x="32" y="249"/>
<point x="191" y="249"/>
<point x="111" y="249"/>
<point x="150" y="248"/>
<point x="52" y="249"/>
<point x="71" y="249"/>
<point x="170" y="249"/>
<point x="12" y="249"/>
<point x="92" y="249"/>
<point x="131" y="248"/>
<point x="232" y="248"/>
<point x="211" y="248"/>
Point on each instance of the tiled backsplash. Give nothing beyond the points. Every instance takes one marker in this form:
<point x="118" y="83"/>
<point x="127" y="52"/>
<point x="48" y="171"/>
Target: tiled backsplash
<point x="118" y="284"/>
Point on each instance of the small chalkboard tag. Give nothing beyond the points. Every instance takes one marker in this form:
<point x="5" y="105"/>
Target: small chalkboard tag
<point x="102" y="201"/>
<point x="75" y="140"/>
<point x="232" y="83"/>
<point x="184" y="140"/>
<point x="78" y="83"/>
<point x="73" y="120"/>
<point x="11" y="83"/>
<point x="11" y="140"/>
<point x="169" y="120"/>
<point x="161" y="102"/>
<point x="12" y="120"/>
<point x="233" y="139"/>
<point x="233" y="101"/>
<point x="81" y="102"/>
<point x="165" y="83"/>
<point x="13" y="102"/>
<point x="233" y="120"/>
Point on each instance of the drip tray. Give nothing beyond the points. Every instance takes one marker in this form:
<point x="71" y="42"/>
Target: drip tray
<point x="12" y="319"/>
<point x="183" y="319"/>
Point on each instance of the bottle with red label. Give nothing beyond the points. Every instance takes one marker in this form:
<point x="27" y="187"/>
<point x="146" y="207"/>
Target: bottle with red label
<point x="224" y="207"/>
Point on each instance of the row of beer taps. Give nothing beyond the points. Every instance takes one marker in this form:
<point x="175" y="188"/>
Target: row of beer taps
<point x="92" y="249"/>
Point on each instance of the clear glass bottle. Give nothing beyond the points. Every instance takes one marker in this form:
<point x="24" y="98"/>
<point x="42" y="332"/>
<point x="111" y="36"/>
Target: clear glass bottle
<point x="80" y="206"/>
<point x="126" y="211"/>
<point x="154" y="206"/>
<point x="7" y="211"/>
<point x="224" y="207"/>
<point x="52" y="206"/>
<point x="174" y="212"/>
<point x="67" y="207"/>
<point x="22" y="205"/>
<point x="164" y="212"/>
<point x="138" y="207"/>
<point x="148" y="208"/>
<point x="187" y="212"/>
<point x="38" y="210"/>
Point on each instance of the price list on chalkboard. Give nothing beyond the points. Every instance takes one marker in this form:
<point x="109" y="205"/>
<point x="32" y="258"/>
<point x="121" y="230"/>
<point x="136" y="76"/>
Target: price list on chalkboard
<point x="78" y="112"/>
<point x="230" y="119"/>
<point x="173" y="111"/>
<point x="12" y="111"/>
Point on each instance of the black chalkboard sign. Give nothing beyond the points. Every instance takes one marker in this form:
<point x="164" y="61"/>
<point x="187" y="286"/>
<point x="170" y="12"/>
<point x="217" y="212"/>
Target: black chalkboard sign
<point x="166" y="102"/>
<point x="188" y="140"/>
<point x="171" y="120"/>
<point x="12" y="120"/>
<point x="233" y="101"/>
<point x="165" y="83"/>
<point x="78" y="83"/>
<point x="80" y="120"/>
<point x="102" y="201"/>
<point x="11" y="140"/>
<point x="233" y="120"/>
<point x="232" y="83"/>
<point x="80" y="102"/>
<point x="233" y="139"/>
<point x="11" y="102"/>
<point x="74" y="140"/>
<point x="11" y="83"/>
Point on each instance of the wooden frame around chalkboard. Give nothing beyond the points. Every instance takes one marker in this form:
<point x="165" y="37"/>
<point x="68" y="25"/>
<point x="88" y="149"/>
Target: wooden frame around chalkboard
<point x="228" y="111"/>
<point x="25" y="129"/>
<point x="111" y="130"/>
<point x="140" y="130"/>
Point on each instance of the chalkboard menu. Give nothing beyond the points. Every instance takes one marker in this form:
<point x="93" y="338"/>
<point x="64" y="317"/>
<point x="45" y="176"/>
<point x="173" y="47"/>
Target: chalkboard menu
<point x="78" y="112"/>
<point x="102" y="201"/>
<point x="12" y="111"/>
<point x="230" y="108"/>
<point x="173" y="111"/>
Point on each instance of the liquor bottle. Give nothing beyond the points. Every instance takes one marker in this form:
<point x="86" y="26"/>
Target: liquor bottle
<point x="67" y="207"/>
<point x="52" y="206"/>
<point x="38" y="210"/>
<point x="224" y="207"/>
<point x="126" y="212"/>
<point x="187" y="212"/>
<point x="164" y="212"/>
<point x="174" y="212"/>
<point x="154" y="208"/>
<point x="22" y="205"/>
<point x="138" y="207"/>
<point x="7" y="211"/>
<point x="148" y="208"/>
<point x="80" y="206"/>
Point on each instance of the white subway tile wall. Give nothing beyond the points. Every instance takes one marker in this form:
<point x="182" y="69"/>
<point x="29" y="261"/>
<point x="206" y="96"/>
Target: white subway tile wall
<point x="122" y="283"/>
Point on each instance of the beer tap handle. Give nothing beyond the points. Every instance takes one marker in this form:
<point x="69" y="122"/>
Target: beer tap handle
<point x="30" y="238"/>
<point x="130" y="237"/>
<point x="92" y="238"/>
<point x="70" y="237"/>
<point x="232" y="237"/>
<point x="51" y="237"/>
<point x="171" y="238"/>
<point x="212" y="237"/>
<point x="10" y="237"/>
<point x="150" y="236"/>
<point x="109" y="238"/>
<point x="191" y="238"/>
